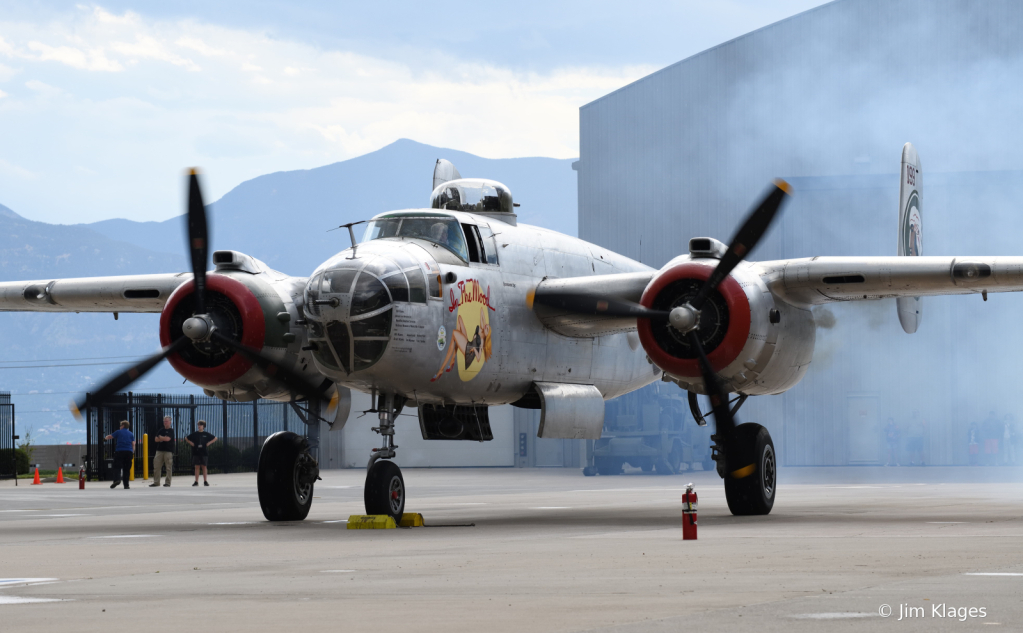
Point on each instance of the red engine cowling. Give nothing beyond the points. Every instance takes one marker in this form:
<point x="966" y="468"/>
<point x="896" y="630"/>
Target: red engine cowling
<point x="724" y="324"/>
<point x="237" y="314"/>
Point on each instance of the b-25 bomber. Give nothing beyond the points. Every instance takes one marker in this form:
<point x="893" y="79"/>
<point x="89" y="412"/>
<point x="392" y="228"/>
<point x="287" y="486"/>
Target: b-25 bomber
<point x="455" y="308"/>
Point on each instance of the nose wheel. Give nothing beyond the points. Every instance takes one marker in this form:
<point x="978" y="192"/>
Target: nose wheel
<point x="385" y="490"/>
<point x="385" y="487"/>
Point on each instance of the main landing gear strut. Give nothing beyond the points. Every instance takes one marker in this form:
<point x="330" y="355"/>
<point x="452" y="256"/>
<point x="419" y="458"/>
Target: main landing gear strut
<point x="747" y="493"/>
<point x="750" y="493"/>
<point x="385" y="487"/>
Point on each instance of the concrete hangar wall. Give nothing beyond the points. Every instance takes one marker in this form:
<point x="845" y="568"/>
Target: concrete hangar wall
<point x="826" y="99"/>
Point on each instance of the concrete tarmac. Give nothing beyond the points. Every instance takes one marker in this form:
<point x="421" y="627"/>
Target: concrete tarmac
<point x="550" y="550"/>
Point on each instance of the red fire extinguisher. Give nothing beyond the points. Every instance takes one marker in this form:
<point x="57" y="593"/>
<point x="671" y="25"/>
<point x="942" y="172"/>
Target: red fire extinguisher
<point x="689" y="514"/>
<point x="81" y="477"/>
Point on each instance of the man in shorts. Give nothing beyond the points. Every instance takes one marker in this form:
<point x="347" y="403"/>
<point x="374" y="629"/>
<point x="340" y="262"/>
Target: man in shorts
<point x="200" y="442"/>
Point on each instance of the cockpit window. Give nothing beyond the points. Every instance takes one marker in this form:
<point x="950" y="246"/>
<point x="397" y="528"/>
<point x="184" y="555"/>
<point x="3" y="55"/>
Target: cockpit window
<point x="439" y="229"/>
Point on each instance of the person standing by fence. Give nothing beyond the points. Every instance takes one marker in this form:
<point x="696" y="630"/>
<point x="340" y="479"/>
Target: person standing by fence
<point x="124" y="453"/>
<point x="164" y="456"/>
<point x="200" y="442"/>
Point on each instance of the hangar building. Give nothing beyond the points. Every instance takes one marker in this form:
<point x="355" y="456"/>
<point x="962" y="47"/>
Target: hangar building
<point x="826" y="99"/>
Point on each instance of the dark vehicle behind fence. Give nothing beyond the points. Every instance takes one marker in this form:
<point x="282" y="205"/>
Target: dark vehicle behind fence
<point x="650" y="429"/>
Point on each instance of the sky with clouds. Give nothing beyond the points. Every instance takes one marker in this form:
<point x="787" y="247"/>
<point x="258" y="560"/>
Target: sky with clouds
<point x="102" y="106"/>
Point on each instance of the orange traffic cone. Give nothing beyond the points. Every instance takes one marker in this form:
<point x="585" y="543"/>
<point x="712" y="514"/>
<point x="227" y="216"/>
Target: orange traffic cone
<point x="60" y="475"/>
<point x="36" y="482"/>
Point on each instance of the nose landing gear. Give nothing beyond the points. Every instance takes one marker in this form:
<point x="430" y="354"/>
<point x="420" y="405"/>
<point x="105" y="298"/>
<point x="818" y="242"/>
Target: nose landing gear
<point x="385" y="487"/>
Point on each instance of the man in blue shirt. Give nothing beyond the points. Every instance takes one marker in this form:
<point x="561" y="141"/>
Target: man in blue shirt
<point x="124" y="452"/>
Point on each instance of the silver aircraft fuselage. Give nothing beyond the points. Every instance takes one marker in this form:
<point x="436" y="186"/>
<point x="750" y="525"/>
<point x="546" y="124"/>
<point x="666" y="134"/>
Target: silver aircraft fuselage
<point x="451" y="331"/>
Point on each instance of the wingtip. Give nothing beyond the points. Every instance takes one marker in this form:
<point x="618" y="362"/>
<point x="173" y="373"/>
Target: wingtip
<point x="784" y="186"/>
<point x="75" y="411"/>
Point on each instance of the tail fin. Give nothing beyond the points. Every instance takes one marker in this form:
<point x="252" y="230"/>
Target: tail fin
<point x="910" y="229"/>
<point x="443" y="171"/>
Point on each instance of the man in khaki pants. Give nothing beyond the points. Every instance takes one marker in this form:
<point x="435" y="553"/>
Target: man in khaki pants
<point x="165" y="445"/>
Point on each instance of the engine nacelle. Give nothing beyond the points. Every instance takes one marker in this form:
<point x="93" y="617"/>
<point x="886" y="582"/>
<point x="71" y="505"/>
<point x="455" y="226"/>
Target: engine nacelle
<point x="254" y="309"/>
<point x="755" y="342"/>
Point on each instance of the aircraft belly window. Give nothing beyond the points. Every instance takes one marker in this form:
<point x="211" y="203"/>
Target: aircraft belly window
<point x="416" y="285"/>
<point x="339" y="281"/>
<point x="403" y="259"/>
<point x="369" y="295"/>
<point x="489" y="244"/>
<point x="472" y="243"/>
<point x="381" y="266"/>
<point x="435" y="287"/>
<point x="340" y="341"/>
<point x="398" y="287"/>
<point x="376" y="325"/>
<point x="325" y="355"/>
<point x="312" y="293"/>
<point x="368" y="352"/>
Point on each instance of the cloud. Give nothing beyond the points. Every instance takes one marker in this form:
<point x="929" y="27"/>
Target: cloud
<point x="148" y="47"/>
<point x="142" y="97"/>
<point x="15" y="170"/>
<point x="91" y="59"/>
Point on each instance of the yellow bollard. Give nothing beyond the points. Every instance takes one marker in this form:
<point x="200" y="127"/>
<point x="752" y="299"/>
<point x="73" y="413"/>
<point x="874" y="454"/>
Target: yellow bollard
<point x="145" y="455"/>
<point x="131" y="475"/>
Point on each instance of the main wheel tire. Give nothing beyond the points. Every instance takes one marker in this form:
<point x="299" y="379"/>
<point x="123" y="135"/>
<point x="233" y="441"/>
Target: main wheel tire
<point x="385" y="490"/>
<point x="281" y="496"/>
<point x="647" y="465"/>
<point x="754" y="494"/>
<point x="608" y="465"/>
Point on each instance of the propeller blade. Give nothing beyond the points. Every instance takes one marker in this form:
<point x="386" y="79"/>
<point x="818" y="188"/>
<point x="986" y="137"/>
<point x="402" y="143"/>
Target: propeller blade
<point x="738" y="463"/>
<point x="593" y="304"/>
<point x="745" y="240"/>
<point x="198" y="240"/>
<point x="126" y="377"/>
<point x="290" y="379"/>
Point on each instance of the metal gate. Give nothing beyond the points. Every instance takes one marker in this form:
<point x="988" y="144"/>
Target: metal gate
<point x="8" y="462"/>
<point x="240" y="427"/>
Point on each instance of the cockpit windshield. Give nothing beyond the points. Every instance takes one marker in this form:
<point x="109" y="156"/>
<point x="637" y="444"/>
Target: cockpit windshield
<point x="439" y="229"/>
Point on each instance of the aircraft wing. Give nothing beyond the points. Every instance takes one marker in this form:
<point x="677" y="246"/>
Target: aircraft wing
<point x="627" y="286"/>
<point x="820" y="280"/>
<point x="125" y="293"/>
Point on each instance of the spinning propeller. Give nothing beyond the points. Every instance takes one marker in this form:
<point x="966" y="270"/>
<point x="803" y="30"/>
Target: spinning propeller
<point x="200" y="327"/>
<point x="739" y="459"/>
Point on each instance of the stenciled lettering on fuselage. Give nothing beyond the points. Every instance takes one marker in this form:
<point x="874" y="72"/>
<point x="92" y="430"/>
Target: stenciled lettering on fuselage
<point x="470" y="343"/>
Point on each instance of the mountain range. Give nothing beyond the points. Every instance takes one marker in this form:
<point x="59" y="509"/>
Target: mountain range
<point x="283" y="218"/>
